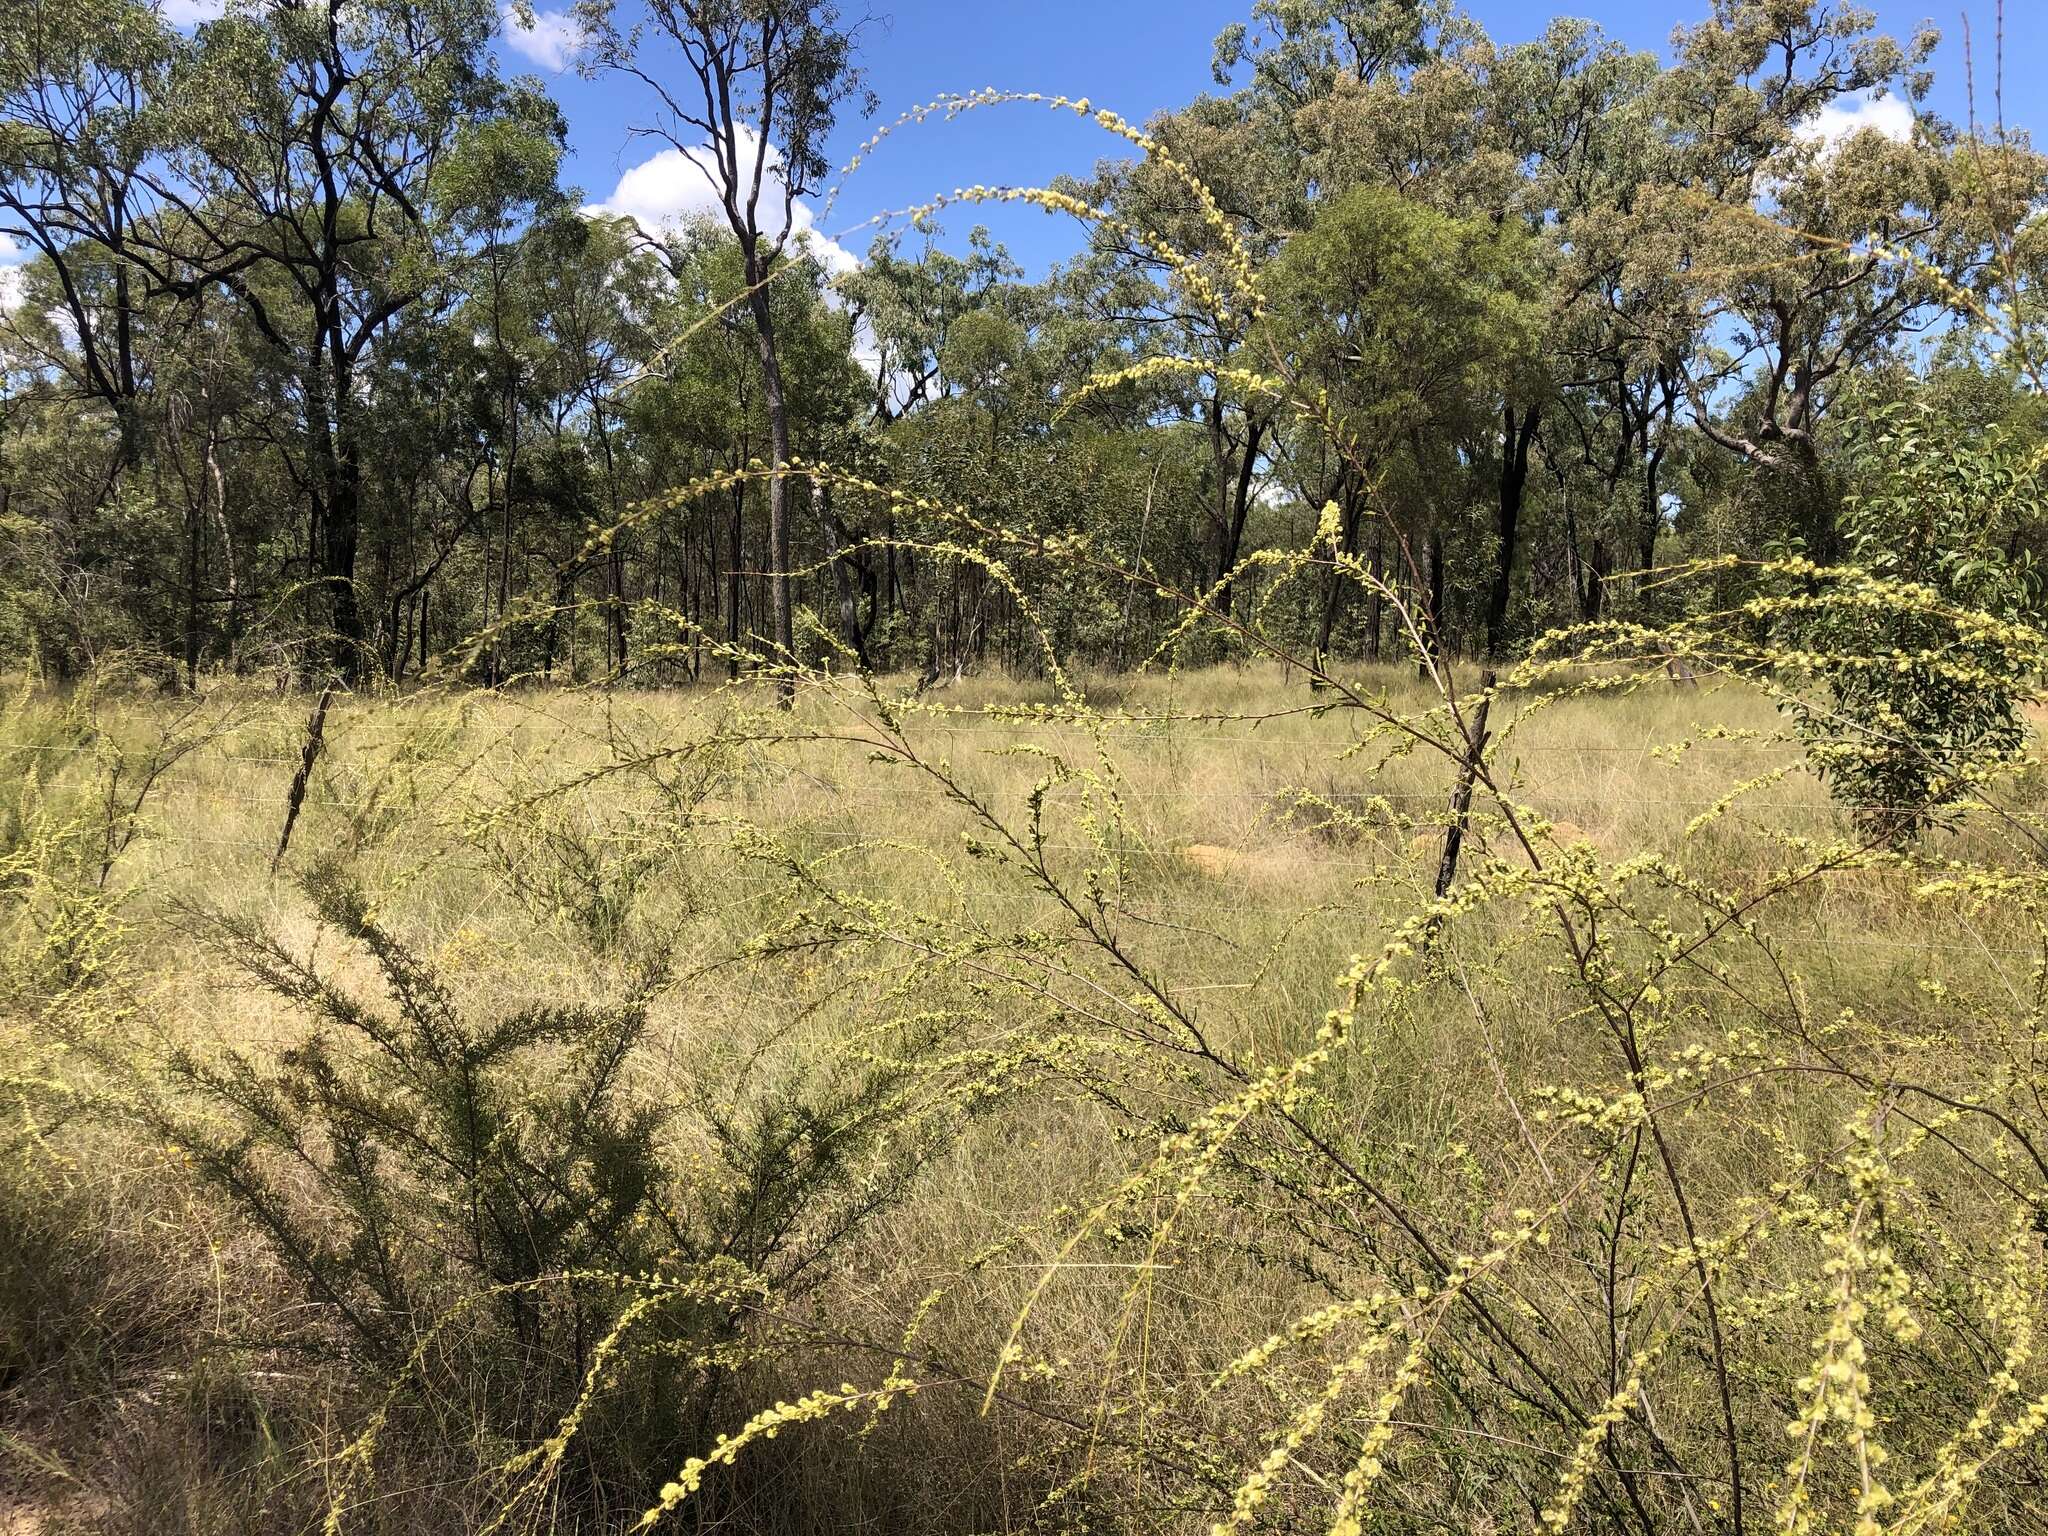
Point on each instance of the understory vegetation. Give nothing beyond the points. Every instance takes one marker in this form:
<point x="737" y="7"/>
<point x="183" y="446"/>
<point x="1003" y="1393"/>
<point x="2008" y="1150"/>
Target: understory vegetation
<point x="1051" y="1114"/>
<point x="1374" y="862"/>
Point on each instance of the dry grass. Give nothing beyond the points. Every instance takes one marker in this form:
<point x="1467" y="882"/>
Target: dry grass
<point x="1253" y="859"/>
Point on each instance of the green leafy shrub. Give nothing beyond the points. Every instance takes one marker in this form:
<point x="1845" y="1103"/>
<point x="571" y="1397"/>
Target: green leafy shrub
<point x="1922" y="649"/>
<point x="444" y="1153"/>
<point x="488" y="1206"/>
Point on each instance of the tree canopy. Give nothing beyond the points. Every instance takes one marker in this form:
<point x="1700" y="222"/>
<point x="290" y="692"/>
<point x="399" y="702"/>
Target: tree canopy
<point x="315" y="366"/>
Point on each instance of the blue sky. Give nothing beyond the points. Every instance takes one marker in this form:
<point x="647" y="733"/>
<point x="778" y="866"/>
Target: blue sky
<point x="1136" y="56"/>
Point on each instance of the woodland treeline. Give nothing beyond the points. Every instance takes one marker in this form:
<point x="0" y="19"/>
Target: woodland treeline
<point x="315" y="366"/>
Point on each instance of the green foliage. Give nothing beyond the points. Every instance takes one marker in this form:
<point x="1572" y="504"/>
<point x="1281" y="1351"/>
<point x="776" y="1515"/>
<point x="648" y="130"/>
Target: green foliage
<point x="1925" y="650"/>
<point x="1701" y="1233"/>
<point x="448" y="1156"/>
<point x="488" y="1204"/>
<point x="1409" y="318"/>
<point x="429" y="420"/>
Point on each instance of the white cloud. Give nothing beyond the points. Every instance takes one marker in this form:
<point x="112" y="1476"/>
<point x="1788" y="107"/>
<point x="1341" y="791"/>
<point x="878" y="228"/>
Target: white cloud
<point x="666" y="192"/>
<point x="1849" y="115"/>
<point x="13" y="279"/>
<point x="188" y="13"/>
<point x="552" y="40"/>
<point x="868" y="353"/>
<point x="674" y="188"/>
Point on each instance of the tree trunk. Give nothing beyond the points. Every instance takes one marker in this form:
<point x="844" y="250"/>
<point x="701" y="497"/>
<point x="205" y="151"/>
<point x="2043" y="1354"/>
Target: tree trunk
<point x="1375" y="608"/>
<point x="1653" y="454"/>
<point x="126" y="407"/>
<point x="1652" y="511"/>
<point x="1219" y="455"/>
<point x="736" y="536"/>
<point x="1433" y="632"/>
<point x="842" y="579"/>
<point x="337" y="492"/>
<point x="344" y="526"/>
<point x="778" y="490"/>
<point x="218" y="482"/>
<point x="1237" y="511"/>
<point x="1338" y="587"/>
<point x="616" y="562"/>
<point x="193" y="525"/>
<point x="615" y="586"/>
<point x="505" y="519"/>
<point x="1137" y="565"/>
<point x="1514" y="482"/>
<point x="1588" y="571"/>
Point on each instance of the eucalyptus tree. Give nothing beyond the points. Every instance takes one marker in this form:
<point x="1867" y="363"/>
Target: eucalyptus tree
<point x="594" y="288"/>
<point x="1574" y="113"/>
<point x="84" y="565"/>
<point x="903" y="310"/>
<point x="760" y="86"/>
<point x="1234" y="147"/>
<point x="135" y="520"/>
<point x="1804" y="256"/>
<point x="702" y="403"/>
<point x="1414" y="326"/>
<point x="1408" y="97"/>
<point x="501" y="177"/>
<point x="1300" y="52"/>
<point x="1411" y="98"/>
<point x="311" y="151"/>
<point x="79" y="81"/>
<point x="906" y="308"/>
<point x="435" y="418"/>
<point x="1875" y="242"/>
<point x="1559" y="137"/>
<point x="702" y="408"/>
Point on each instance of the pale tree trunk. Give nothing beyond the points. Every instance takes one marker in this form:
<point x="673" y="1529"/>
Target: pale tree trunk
<point x="736" y="528"/>
<point x="231" y="579"/>
<point x="784" y="637"/>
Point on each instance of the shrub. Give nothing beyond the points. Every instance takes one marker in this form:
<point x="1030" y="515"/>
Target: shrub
<point x="488" y="1206"/>
<point x="1921" y="649"/>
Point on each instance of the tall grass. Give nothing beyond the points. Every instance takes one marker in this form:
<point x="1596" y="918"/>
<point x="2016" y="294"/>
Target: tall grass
<point x="1162" y="1229"/>
<point x="1280" y="1096"/>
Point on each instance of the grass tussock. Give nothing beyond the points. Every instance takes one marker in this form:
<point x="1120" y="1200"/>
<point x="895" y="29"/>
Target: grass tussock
<point x="1006" y="1115"/>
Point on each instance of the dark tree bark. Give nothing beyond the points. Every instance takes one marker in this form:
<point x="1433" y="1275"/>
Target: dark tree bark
<point x="1338" y="587"/>
<point x="850" y="626"/>
<point x="736" y="532"/>
<point x="1235" y="465"/>
<point x="765" y="82"/>
<point x="1375" y="608"/>
<point x="1516" y="438"/>
<point x="1439" y="645"/>
<point x="778" y="446"/>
